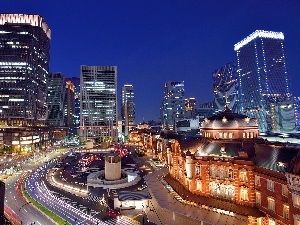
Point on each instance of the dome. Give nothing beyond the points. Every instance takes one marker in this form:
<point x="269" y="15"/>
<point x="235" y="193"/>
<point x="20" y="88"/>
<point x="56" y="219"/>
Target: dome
<point x="228" y="120"/>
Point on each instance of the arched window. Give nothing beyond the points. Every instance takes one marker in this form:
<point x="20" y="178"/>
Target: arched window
<point x="244" y="194"/>
<point x="197" y="169"/>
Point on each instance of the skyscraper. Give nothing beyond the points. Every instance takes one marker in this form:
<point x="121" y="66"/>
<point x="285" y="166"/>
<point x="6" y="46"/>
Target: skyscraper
<point x="190" y="108"/>
<point x="98" y="103"/>
<point x="55" y="99"/>
<point x="173" y="104"/>
<point x="262" y="75"/>
<point x="69" y="107"/>
<point x="76" y="82"/>
<point x="24" y="65"/>
<point x="127" y="108"/>
<point x="225" y="87"/>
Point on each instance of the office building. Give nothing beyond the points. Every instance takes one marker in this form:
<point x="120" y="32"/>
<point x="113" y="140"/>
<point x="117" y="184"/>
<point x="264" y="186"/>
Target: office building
<point x="173" y="104"/>
<point x="282" y="114"/>
<point x="127" y="108"/>
<point x="225" y="87"/>
<point x="98" y="103"/>
<point x="262" y="75"/>
<point x="190" y="108"/>
<point x="206" y="110"/>
<point x="55" y="99"/>
<point x="297" y="112"/>
<point x="69" y="107"/>
<point x="24" y="65"/>
<point x="76" y="82"/>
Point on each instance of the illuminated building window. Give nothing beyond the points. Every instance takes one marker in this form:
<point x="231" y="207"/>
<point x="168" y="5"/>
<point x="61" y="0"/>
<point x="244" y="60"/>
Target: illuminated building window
<point x="285" y="190"/>
<point x="220" y="134"/>
<point x="296" y="200"/>
<point x="259" y="221"/>
<point x="270" y="185"/>
<point x="244" y="194"/>
<point x="198" y="171"/>
<point x="221" y="172"/>
<point x="271" y="204"/>
<point x="258" y="197"/>
<point x="286" y="210"/>
<point x="257" y="180"/>
<point x="199" y="185"/>
<point x="230" y="135"/>
<point x="225" y="135"/>
<point x="243" y="176"/>
<point x="271" y="222"/>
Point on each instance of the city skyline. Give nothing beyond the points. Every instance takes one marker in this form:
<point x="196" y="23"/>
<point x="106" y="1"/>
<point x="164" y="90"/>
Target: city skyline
<point x="155" y="42"/>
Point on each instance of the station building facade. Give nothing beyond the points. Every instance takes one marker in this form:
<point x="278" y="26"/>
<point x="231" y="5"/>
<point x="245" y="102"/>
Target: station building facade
<point x="231" y="169"/>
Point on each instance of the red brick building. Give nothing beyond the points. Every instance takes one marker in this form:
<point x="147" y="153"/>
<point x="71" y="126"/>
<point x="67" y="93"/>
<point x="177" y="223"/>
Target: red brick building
<point x="234" y="170"/>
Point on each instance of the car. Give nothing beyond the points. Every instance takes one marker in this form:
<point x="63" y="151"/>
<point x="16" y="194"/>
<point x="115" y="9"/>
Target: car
<point x="142" y="187"/>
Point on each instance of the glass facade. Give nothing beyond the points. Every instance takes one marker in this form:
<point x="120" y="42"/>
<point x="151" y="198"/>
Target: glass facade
<point x="173" y="105"/>
<point x="69" y="107"/>
<point x="55" y="100"/>
<point x="190" y="108"/>
<point x="98" y="102"/>
<point x="225" y="87"/>
<point x="262" y="75"/>
<point x="297" y="112"/>
<point x="76" y="82"/>
<point x="127" y="108"/>
<point x="24" y="65"/>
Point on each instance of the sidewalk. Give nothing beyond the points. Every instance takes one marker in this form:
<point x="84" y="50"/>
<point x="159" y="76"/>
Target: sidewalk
<point x="164" y="209"/>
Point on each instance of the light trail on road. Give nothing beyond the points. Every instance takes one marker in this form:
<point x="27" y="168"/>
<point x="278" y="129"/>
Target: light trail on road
<point x="39" y="191"/>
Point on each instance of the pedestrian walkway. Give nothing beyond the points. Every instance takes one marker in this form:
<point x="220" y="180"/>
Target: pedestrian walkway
<point x="164" y="208"/>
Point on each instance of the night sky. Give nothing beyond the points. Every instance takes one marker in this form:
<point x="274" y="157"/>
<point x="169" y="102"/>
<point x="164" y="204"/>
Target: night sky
<point x="155" y="41"/>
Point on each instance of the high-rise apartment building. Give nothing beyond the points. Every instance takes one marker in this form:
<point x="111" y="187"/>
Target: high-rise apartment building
<point x="55" y="99"/>
<point x="173" y="104"/>
<point x="262" y="76"/>
<point x="127" y="108"/>
<point x="98" y="103"/>
<point x="24" y="65"/>
<point x="225" y="87"/>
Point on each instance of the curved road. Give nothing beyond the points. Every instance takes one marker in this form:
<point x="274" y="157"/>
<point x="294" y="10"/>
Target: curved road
<point x="17" y="208"/>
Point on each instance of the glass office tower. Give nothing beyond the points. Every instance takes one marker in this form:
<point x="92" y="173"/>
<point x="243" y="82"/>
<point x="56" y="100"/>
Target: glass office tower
<point x="173" y="104"/>
<point x="98" y="103"/>
<point x="24" y="66"/>
<point x="225" y="87"/>
<point x="76" y="82"/>
<point x="262" y="75"/>
<point x="55" y="100"/>
<point x="127" y="108"/>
